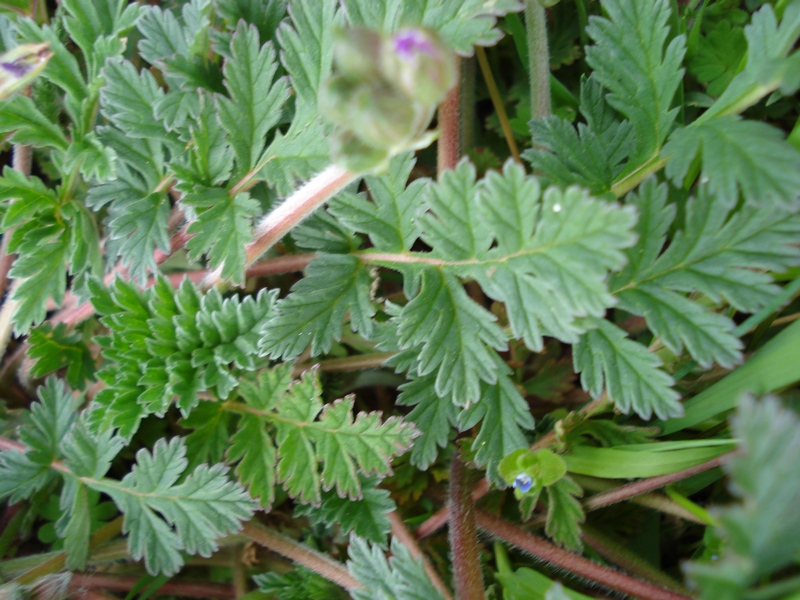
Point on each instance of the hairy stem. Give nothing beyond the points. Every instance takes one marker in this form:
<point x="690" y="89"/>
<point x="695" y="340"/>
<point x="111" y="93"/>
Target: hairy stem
<point x="317" y="562"/>
<point x="538" y="58"/>
<point x="574" y="563"/>
<point x="125" y="583"/>
<point x="56" y="563"/>
<point x="299" y="205"/>
<point x="467" y="574"/>
<point x="401" y="532"/>
<point x="615" y="553"/>
<point x="448" y="148"/>
<point x="652" y="483"/>
<point x="358" y="362"/>
<point x="497" y="103"/>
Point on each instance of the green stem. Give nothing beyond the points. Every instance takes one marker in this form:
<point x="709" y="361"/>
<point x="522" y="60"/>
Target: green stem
<point x="538" y="58"/>
<point x="497" y="103"/>
<point x="467" y="574"/>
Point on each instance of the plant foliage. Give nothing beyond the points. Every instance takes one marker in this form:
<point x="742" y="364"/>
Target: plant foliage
<point x="428" y="308"/>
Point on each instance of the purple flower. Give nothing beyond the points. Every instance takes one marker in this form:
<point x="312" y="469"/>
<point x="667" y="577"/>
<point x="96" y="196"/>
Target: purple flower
<point x="409" y="42"/>
<point x="523" y="483"/>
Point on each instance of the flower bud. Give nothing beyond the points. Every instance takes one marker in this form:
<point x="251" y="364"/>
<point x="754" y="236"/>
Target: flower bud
<point x="417" y="63"/>
<point x="382" y="117"/>
<point x="357" y="53"/>
<point x="355" y="155"/>
<point x="21" y="65"/>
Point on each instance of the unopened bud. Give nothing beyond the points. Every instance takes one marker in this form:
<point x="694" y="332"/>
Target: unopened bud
<point x="352" y="153"/>
<point x="21" y="65"/>
<point x="418" y="63"/>
<point x="357" y="53"/>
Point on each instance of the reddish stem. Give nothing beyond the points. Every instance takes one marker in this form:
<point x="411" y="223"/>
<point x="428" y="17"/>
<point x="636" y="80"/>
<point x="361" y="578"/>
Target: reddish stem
<point x="574" y="563"/>
<point x="448" y="148"/>
<point x="124" y="583"/>
<point x="652" y="483"/>
<point x="316" y="561"/>
<point x="467" y="575"/>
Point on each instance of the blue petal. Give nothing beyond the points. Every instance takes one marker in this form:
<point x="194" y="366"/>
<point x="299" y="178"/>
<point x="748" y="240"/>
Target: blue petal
<point x="523" y="482"/>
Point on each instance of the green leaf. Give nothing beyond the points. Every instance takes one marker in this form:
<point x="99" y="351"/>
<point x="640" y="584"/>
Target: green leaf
<point x="723" y="254"/>
<point x="51" y="418"/>
<point x="643" y="460"/>
<point x="137" y="222"/>
<point x="210" y="158"/>
<point x="251" y="444"/>
<point x="433" y="416"/>
<point x="762" y="530"/>
<point x="608" y="360"/>
<point x="298" y="154"/>
<point x="78" y="526"/>
<point x="222" y="229"/>
<point x="594" y="155"/>
<point x="27" y="198"/>
<point x="255" y="103"/>
<point x="24" y="473"/>
<point x="768" y="67"/>
<point x="737" y="154"/>
<point x="20" y="116"/>
<point x="128" y="97"/>
<point x="367" y="517"/>
<point x="54" y="349"/>
<point x="552" y="255"/>
<point x="307" y="432"/>
<point x="163" y="35"/>
<point x="163" y="516"/>
<point x="40" y="269"/>
<point x="300" y="584"/>
<point x="312" y="313"/>
<point x="546" y="258"/>
<point x="449" y="334"/>
<point x="565" y="514"/>
<point x="630" y="60"/>
<point x="390" y="219"/>
<point x="718" y="56"/>
<point x="91" y="23"/>
<point x="770" y="368"/>
<point x="211" y="436"/>
<point x="306" y="42"/>
<point x="461" y="25"/>
<point x="89" y="456"/>
<point x="527" y="584"/>
<point x="401" y="577"/>
<point x="647" y="290"/>
<point x="266" y="15"/>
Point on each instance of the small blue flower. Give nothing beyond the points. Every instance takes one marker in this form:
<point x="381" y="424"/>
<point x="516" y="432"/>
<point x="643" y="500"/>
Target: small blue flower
<point x="523" y="483"/>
